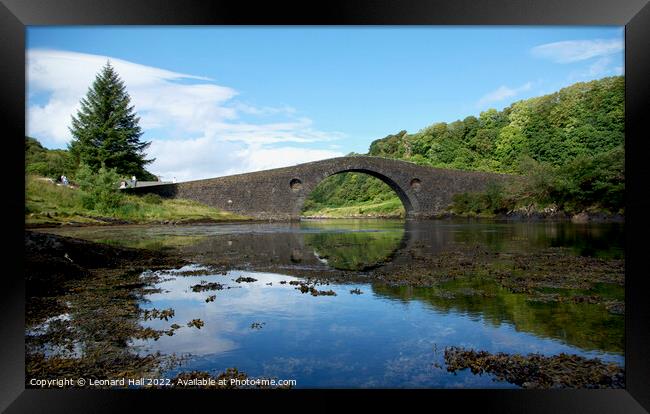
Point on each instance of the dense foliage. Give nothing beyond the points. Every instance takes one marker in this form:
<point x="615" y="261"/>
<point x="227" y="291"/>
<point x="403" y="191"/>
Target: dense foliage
<point x="353" y="194"/>
<point x="569" y="145"/>
<point x="349" y="189"/>
<point x="106" y="130"/>
<point x="581" y="120"/>
<point x="47" y="163"/>
<point x="100" y="188"/>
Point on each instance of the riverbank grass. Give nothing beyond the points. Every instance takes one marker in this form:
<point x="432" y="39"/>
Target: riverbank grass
<point x="391" y="208"/>
<point x="49" y="204"/>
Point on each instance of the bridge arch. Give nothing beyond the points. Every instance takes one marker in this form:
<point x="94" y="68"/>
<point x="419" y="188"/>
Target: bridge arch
<point x="409" y="202"/>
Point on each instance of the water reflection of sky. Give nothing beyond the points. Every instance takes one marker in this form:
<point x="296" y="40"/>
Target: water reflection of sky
<point x="385" y="337"/>
<point x="347" y="340"/>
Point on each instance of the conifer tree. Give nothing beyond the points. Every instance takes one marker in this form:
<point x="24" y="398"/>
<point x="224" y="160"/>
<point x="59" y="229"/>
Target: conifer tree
<point x="105" y="130"/>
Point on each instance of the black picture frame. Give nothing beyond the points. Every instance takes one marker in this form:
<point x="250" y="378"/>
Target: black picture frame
<point x="15" y="15"/>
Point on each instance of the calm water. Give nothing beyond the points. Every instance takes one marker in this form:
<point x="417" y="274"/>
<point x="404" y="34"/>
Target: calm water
<point x="387" y="336"/>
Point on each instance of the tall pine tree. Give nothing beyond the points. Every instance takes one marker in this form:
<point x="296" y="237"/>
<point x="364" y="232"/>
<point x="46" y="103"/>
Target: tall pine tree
<point x="106" y="129"/>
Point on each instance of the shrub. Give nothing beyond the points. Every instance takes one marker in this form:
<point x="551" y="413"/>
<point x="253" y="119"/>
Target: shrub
<point x="468" y="203"/>
<point x="101" y="188"/>
<point x="497" y="200"/>
<point x="587" y="181"/>
<point x="595" y="180"/>
<point x="129" y="211"/>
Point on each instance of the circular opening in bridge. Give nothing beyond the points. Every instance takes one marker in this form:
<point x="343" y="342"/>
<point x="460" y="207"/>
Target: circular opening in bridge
<point x="353" y="194"/>
<point x="295" y="184"/>
<point x="416" y="184"/>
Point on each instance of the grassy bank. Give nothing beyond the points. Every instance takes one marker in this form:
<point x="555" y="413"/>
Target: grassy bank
<point x="391" y="208"/>
<point x="49" y="204"/>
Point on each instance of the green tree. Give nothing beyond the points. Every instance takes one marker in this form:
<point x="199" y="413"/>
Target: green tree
<point x="106" y="130"/>
<point x="100" y="188"/>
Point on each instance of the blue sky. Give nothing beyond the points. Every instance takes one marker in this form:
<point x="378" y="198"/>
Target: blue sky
<point x="222" y="100"/>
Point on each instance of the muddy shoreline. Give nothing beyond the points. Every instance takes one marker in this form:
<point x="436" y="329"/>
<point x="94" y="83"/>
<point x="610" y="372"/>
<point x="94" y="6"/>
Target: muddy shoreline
<point x="98" y="287"/>
<point x="513" y="216"/>
<point x="537" y="371"/>
<point x="107" y="222"/>
<point x="519" y="216"/>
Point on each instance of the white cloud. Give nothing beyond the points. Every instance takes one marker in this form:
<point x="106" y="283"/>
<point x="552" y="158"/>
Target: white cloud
<point x="199" y="158"/>
<point x="598" y="68"/>
<point x="265" y="158"/>
<point x="66" y="76"/>
<point x="577" y="50"/>
<point x="249" y="109"/>
<point x="502" y="93"/>
<point x="210" y="138"/>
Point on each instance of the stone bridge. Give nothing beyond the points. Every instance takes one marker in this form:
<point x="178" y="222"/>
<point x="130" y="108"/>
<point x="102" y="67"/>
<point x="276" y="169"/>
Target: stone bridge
<point x="279" y="194"/>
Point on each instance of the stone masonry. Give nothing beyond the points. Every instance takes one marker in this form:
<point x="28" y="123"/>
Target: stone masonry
<point x="280" y="193"/>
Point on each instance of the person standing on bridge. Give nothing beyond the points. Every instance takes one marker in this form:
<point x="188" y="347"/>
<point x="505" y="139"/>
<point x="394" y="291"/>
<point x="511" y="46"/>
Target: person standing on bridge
<point x="135" y="182"/>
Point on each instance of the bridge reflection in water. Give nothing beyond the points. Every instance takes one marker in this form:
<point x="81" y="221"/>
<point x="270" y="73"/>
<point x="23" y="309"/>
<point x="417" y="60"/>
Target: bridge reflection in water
<point x="313" y="247"/>
<point x="361" y="250"/>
